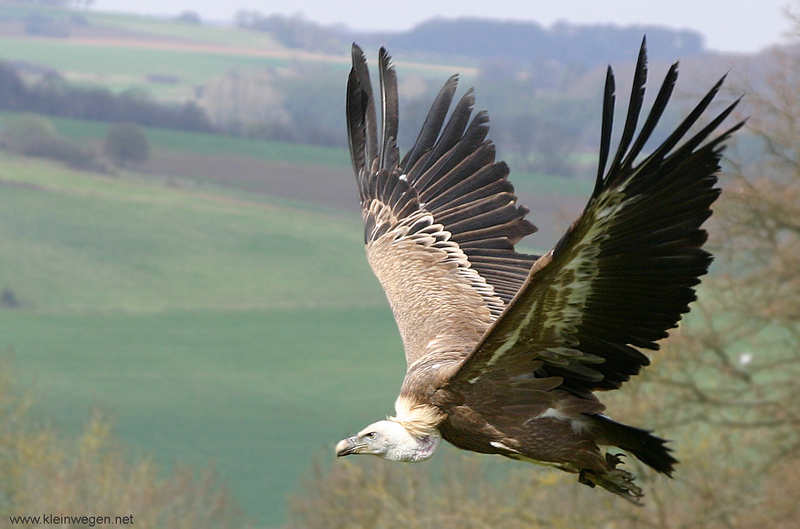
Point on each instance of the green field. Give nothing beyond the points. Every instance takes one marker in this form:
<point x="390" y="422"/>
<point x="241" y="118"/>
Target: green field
<point x="86" y="132"/>
<point x="189" y="67"/>
<point x="120" y="51"/>
<point x="250" y="390"/>
<point x="214" y="319"/>
<point x="197" y="321"/>
<point x="80" y="241"/>
<point x="226" y="35"/>
<point x="213" y="324"/>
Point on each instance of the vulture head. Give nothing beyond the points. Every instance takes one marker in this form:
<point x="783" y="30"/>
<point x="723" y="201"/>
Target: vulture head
<point x="391" y="440"/>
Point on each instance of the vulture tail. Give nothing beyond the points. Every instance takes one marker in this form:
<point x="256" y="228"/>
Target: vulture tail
<point x="647" y="448"/>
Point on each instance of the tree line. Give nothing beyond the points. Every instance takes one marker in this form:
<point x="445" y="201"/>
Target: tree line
<point x="537" y="126"/>
<point x="124" y="145"/>
<point x="53" y="95"/>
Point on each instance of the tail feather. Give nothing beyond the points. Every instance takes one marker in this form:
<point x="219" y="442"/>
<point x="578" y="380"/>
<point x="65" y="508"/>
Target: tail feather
<point x="645" y="446"/>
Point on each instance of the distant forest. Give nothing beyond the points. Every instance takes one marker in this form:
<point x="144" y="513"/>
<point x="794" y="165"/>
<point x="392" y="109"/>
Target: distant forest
<point x="52" y="95"/>
<point x="533" y="80"/>
<point x="528" y="42"/>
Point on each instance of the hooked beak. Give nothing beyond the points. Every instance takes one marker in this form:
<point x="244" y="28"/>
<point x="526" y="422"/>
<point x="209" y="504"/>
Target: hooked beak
<point x="348" y="446"/>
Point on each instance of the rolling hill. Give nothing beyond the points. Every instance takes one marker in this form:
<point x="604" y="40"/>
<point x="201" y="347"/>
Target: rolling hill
<point x="217" y="301"/>
<point x="202" y="321"/>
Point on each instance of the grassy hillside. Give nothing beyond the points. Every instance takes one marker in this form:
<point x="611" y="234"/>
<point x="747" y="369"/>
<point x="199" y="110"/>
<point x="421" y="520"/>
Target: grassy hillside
<point x="249" y="168"/>
<point x="261" y="393"/>
<point x="120" y="51"/>
<point x="173" y="29"/>
<point x="211" y="327"/>
<point x="92" y="132"/>
<point x="131" y="244"/>
<point x="124" y="66"/>
<point x="218" y="303"/>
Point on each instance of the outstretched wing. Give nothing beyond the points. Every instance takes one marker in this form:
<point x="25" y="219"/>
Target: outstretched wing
<point x="440" y="224"/>
<point x="625" y="272"/>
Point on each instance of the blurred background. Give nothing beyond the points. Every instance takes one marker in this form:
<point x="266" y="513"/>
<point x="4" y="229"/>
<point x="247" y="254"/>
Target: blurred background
<point x="187" y="320"/>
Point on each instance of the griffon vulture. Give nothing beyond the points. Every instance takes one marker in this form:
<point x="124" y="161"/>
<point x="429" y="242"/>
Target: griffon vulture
<point x="506" y="351"/>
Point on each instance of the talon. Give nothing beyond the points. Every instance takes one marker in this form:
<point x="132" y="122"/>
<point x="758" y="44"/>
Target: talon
<point x="618" y="481"/>
<point x="585" y="479"/>
<point x="614" y="459"/>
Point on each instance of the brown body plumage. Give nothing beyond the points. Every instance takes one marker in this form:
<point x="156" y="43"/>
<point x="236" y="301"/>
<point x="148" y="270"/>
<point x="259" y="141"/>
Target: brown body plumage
<point x="506" y="350"/>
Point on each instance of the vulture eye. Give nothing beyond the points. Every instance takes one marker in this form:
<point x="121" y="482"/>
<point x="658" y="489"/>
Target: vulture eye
<point x="371" y="435"/>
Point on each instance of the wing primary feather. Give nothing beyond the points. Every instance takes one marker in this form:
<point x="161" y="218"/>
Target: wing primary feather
<point x="609" y="99"/>
<point x="653" y="117"/>
<point x="450" y="136"/>
<point x="500" y="186"/>
<point x="634" y="109"/>
<point x="481" y="179"/>
<point x="453" y="165"/>
<point x="690" y="120"/>
<point x="389" y="157"/>
<point x="479" y="157"/>
<point x="356" y="137"/>
<point x="698" y="138"/>
<point x="369" y="117"/>
<point x="432" y="125"/>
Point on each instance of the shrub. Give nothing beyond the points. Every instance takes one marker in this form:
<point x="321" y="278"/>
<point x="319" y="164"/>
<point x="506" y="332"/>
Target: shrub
<point x="63" y="151"/>
<point x="25" y="130"/>
<point x="125" y="143"/>
<point x="44" y="471"/>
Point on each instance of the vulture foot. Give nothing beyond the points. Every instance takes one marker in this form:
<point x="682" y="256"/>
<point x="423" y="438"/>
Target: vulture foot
<point x="616" y="480"/>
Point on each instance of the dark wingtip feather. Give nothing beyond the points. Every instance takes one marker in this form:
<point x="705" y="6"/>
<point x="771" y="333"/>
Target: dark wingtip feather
<point x="356" y="104"/>
<point x="432" y="125"/>
<point x="609" y="100"/>
<point x="451" y="134"/>
<point x="361" y="74"/>
<point x="388" y="156"/>
<point x="634" y="110"/>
